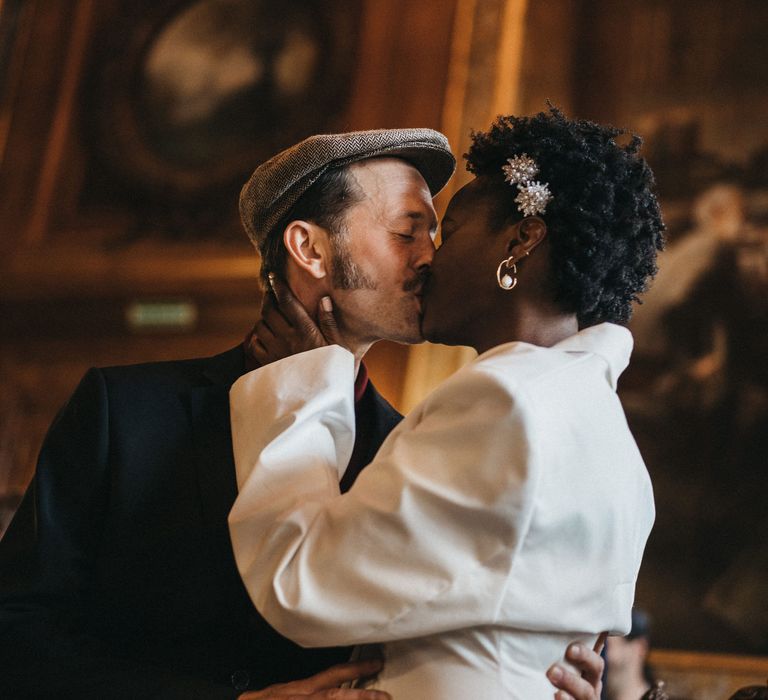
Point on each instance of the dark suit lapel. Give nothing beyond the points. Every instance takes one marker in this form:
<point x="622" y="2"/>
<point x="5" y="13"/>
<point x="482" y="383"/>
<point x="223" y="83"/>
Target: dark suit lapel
<point x="384" y="418"/>
<point x="374" y="419"/>
<point x="211" y="436"/>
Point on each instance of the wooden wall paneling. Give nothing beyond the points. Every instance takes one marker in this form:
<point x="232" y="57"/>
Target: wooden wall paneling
<point x="484" y="74"/>
<point x="15" y="27"/>
<point x="403" y="64"/>
<point x="607" y="60"/>
<point x="51" y="175"/>
<point x="39" y="53"/>
<point x="549" y="56"/>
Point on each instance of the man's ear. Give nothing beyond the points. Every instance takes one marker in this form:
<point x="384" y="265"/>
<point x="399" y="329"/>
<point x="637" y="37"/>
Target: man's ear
<point x="307" y="245"/>
<point x="527" y="234"/>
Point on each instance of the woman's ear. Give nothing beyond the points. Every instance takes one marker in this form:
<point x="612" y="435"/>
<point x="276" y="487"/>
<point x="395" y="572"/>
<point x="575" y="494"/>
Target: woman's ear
<point x="528" y="234"/>
<point x="307" y="245"/>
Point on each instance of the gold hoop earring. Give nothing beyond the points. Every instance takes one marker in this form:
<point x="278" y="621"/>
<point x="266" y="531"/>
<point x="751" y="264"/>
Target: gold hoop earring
<point x="505" y="280"/>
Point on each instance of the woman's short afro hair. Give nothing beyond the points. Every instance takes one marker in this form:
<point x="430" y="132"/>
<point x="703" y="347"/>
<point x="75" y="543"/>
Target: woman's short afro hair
<point x="604" y="224"/>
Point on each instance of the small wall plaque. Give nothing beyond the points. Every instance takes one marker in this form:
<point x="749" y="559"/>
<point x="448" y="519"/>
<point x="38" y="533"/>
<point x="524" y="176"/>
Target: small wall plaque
<point x="148" y="316"/>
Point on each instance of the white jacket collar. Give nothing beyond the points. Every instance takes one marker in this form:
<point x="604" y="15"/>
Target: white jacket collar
<point x="611" y="342"/>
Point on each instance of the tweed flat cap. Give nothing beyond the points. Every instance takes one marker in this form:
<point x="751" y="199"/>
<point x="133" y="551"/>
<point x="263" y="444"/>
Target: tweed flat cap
<point x="277" y="184"/>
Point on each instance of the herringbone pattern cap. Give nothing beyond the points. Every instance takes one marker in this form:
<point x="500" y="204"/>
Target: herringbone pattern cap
<point x="277" y="184"/>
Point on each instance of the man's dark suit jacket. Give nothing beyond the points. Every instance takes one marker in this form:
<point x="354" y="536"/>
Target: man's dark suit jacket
<point x="117" y="578"/>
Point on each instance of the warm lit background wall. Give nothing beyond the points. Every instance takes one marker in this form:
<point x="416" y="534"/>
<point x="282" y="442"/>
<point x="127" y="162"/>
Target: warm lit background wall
<point x="119" y="238"/>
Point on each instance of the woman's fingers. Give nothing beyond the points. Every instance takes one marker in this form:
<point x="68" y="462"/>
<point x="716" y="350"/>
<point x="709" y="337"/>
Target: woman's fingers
<point x="588" y="661"/>
<point x="307" y="334"/>
<point x="338" y="694"/>
<point x="342" y="673"/>
<point x="325" y="685"/>
<point x="327" y="321"/>
<point x="347" y="694"/>
<point x="288" y="304"/>
<point x="572" y="686"/>
<point x="283" y="693"/>
<point x="271" y="314"/>
<point x="267" y="346"/>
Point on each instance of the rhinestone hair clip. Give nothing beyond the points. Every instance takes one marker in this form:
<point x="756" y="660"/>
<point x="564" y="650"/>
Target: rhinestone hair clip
<point x="532" y="196"/>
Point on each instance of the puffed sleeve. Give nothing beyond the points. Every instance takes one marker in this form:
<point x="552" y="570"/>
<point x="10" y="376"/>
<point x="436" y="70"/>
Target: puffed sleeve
<point x="422" y="543"/>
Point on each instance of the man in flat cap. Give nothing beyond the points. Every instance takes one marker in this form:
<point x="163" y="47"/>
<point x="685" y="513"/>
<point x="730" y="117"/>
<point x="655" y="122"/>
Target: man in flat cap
<point x="117" y="578"/>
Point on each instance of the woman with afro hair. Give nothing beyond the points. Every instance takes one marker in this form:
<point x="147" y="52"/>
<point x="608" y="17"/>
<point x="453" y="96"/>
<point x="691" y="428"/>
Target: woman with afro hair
<point x="507" y="514"/>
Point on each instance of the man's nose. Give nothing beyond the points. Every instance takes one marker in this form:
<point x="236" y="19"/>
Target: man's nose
<point x="424" y="253"/>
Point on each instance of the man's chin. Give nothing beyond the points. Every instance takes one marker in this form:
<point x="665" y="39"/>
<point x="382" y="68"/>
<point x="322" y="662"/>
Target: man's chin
<point x="411" y="339"/>
<point x="407" y="334"/>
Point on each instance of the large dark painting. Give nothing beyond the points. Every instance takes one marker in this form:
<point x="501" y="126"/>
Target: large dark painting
<point x="184" y="99"/>
<point x="692" y="78"/>
<point x="697" y="399"/>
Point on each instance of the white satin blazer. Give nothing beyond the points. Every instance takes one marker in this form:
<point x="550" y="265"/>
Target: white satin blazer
<point x="503" y="518"/>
